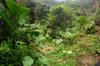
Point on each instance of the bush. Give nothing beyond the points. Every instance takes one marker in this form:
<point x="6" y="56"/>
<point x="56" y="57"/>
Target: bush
<point x="60" y="18"/>
<point x="86" y="24"/>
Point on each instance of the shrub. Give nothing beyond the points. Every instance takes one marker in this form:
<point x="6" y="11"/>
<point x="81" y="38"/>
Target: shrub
<point x="60" y="18"/>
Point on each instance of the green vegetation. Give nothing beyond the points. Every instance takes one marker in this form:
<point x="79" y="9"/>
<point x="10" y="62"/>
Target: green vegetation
<point x="45" y="36"/>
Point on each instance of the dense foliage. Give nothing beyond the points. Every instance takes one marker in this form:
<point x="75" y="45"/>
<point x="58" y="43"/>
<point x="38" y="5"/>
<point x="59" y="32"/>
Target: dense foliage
<point x="37" y="35"/>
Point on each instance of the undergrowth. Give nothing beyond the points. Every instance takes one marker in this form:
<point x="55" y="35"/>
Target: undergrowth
<point x="57" y="39"/>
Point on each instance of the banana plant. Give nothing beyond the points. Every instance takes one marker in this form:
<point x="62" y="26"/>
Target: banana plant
<point x="12" y="15"/>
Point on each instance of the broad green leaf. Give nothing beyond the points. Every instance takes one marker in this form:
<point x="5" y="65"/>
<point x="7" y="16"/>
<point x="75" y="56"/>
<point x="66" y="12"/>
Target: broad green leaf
<point x="28" y="61"/>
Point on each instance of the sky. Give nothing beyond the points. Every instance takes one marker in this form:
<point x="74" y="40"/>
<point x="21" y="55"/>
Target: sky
<point x="59" y="0"/>
<point x="63" y="0"/>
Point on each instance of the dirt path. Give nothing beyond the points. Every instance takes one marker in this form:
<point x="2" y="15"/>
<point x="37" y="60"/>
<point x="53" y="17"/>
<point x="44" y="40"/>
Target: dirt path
<point x="97" y="30"/>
